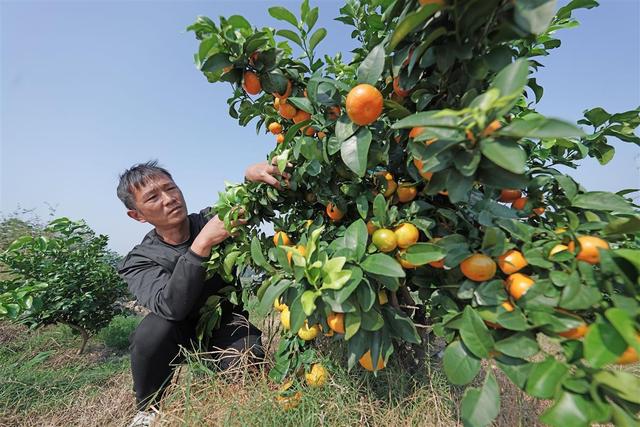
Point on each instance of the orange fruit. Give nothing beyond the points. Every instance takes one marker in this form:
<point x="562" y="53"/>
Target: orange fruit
<point x="406" y="193"/>
<point x="286" y="93"/>
<point x="364" y="104"/>
<point x="276" y="103"/>
<point x="509" y="195"/>
<point x="333" y="113"/>
<point x="469" y="135"/>
<point x="287" y="111"/>
<point x="589" y="246"/>
<point x="491" y="128"/>
<point x="279" y="306"/>
<point x="391" y="188"/>
<point x="478" y="267"/>
<point x="275" y="128"/>
<point x="251" y="83"/>
<point x="416" y="131"/>
<point x="301" y="116"/>
<point x="437" y="264"/>
<point x="418" y="164"/>
<point x="385" y="240"/>
<point x="403" y="262"/>
<point x="407" y="235"/>
<point x="317" y="376"/>
<point x="336" y="322"/>
<point x="321" y="135"/>
<point x="308" y="130"/>
<point x="519" y="203"/>
<point x="512" y="261"/>
<point x="285" y="318"/>
<point x="279" y="138"/>
<point x="575" y="333"/>
<point x="538" y="211"/>
<point x="279" y="237"/>
<point x="518" y="284"/>
<point x="398" y="90"/>
<point x="307" y="332"/>
<point x="556" y="249"/>
<point x="508" y="306"/>
<point x="371" y="228"/>
<point x="333" y="212"/>
<point x="630" y="355"/>
<point x="300" y="249"/>
<point x="367" y="363"/>
<point x="382" y="297"/>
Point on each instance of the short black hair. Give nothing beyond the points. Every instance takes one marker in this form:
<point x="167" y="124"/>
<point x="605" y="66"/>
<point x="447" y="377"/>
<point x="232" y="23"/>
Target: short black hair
<point x="135" y="177"/>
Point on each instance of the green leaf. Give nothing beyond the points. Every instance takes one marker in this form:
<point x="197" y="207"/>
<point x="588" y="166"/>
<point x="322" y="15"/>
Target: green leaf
<point x="362" y="204"/>
<point x="568" y="410"/>
<point x="345" y="128"/>
<point x="506" y="154"/>
<point x="352" y="323"/>
<point x="410" y="23"/>
<point x="460" y="365"/>
<point x="625" y="384"/>
<point x="603" y="344"/>
<point x="522" y="344"/>
<point x="602" y="201"/>
<point x="401" y="325"/>
<point x="625" y="326"/>
<point x="534" y="16"/>
<point x="540" y="127"/>
<point x="380" y="208"/>
<point x="475" y="334"/>
<point x="283" y="14"/>
<point x="597" y="116"/>
<point x="479" y="407"/>
<point x="301" y="103"/>
<point x="308" y="299"/>
<point x="291" y="35"/>
<point x="257" y="256"/>
<point x="355" y="239"/>
<point x="273" y="292"/>
<point x="383" y="265"/>
<point x="511" y="80"/>
<point x="215" y="63"/>
<point x="516" y="369"/>
<point x="423" y="253"/>
<point x="371" y="68"/>
<point x="317" y="37"/>
<point x="355" y="150"/>
<point x="545" y="378"/>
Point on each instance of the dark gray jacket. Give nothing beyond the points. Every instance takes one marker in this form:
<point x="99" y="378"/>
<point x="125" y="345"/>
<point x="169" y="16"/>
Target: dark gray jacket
<point x="169" y="279"/>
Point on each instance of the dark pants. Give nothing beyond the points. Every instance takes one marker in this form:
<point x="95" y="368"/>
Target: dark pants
<point x="155" y="348"/>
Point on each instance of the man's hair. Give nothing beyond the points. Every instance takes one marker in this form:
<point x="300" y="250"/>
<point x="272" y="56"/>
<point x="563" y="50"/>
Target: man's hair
<point x="137" y="176"/>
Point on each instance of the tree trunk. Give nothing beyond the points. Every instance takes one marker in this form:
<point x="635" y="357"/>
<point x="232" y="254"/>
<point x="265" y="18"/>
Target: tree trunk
<point x="83" y="333"/>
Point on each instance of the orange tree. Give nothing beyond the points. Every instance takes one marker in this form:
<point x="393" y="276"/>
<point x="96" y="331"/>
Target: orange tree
<point x="424" y="197"/>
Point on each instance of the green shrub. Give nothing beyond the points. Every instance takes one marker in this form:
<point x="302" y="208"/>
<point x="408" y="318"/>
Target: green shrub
<point x="116" y="333"/>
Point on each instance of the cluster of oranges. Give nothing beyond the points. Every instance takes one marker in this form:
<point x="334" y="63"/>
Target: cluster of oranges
<point x="518" y="201"/>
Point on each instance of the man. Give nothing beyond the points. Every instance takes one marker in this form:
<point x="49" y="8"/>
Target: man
<point x="165" y="274"/>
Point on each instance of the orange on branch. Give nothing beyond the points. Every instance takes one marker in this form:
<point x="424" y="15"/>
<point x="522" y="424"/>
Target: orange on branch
<point x="336" y="322"/>
<point x="333" y="212"/>
<point x="403" y="262"/>
<point x="299" y="249"/>
<point x="406" y="192"/>
<point x="251" y="83"/>
<point x="509" y="195"/>
<point x="519" y="203"/>
<point x="575" y="333"/>
<point x="371" y="228"/>
<point x="478" y="267"/>
<point x="491" y="128"/>
<point x="419" y="164"/>
<point x="286" y="110"/>
<point x="416" y="131"/>
<point x="398" y="90"/>
<point x="385" y="240"/>
<point x="407" y="235"/>
<point x="275" y="128"/>
<point x="279" y="138"/>
<point x="364" y="104"/>
<point x="301" y="116"/>
<point x="512" y="261"/>
<point x="281" y="238"/>
<point x="367" y="363"/>
<point x="518" y="284"/>
<point x="333" y="113"/>
<point x="307" y="333"/>
<point x="557" y="248"/>
<point x="321" y="135"/>
<point x="589" y="248"/>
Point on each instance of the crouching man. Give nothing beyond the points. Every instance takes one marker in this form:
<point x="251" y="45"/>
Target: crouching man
<point x="165" y="274"/>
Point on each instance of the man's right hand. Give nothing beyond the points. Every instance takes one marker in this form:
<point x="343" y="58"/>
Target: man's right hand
<point x="212" y="234"/>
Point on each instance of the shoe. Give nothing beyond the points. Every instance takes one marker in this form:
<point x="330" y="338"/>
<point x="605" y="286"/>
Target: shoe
<point x="143" y="419"/>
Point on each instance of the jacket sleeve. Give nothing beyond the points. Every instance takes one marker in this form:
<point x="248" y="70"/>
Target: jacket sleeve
<point x="169" y="295"/>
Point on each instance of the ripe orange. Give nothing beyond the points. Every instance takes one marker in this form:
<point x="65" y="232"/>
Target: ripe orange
<point x="279" y="138"/>
<point x="509" y="195"/>
<point x="333" y="113"/>
<point x="307" y="332"/>
<point x="403" y="262"/>
<point x="575" y="333"/>
<point x="286" y="93"/>
<point x="630" y="355"/>
<point x="275" y="128"/>
<point x="470" y="136"/>
<point x="371" y="228"/>
<point x="336" y="322"/>
<point x="437" y="264"/>
<point x="398" y="90"/>
<point x="418" y="164"/>
<point x="507" y="306"/>
<point x="276" y="103"/>
<point x="308" y="130"/>
<point x="538" y="211"/>
<point x="333" y="212"/>
<point x="478" y="267"/>
<point x="301" y="116"/>
<point x="300" y="249"/>
<point x="512" y="261"/>
<point x="491" y="128"/>
<point x="406" y="193"/>
<point x="287" y="111"/>
<point x="519" y="203"/>
<point x="279" y="237"/>
<point x="407" y="235"/>
<point x="385" y="239"/>
<point x="367" y="363"/>
<point x="251" y="83"/>
<point x="364" y="104"/>
<point x="416" y="131"/>
<point x="556" y="249"/>
<point x="391" y="187"/>
<point x="317" y="376"/>
<point x="321" y="135"/>
<point x="285" y="318"/>
<point x="279" y="306"/>
<point x="518" y="284"/>
<point x="589" y="246"/>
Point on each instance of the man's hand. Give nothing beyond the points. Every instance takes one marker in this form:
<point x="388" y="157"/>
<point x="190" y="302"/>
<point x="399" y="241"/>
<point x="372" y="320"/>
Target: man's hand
<point x="267" y="173"/>
<point x="212" y="234"/>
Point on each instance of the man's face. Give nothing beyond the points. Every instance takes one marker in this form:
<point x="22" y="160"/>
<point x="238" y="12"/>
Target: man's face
<point x="159" y="202"/>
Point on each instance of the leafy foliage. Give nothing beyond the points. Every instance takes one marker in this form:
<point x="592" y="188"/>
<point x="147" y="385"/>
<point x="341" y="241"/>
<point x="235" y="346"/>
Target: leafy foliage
<point x="459" y="125"/>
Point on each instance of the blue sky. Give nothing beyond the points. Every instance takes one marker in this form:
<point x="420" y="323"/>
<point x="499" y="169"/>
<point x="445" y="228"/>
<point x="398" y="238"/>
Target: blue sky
<point x="90" y="87"/>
